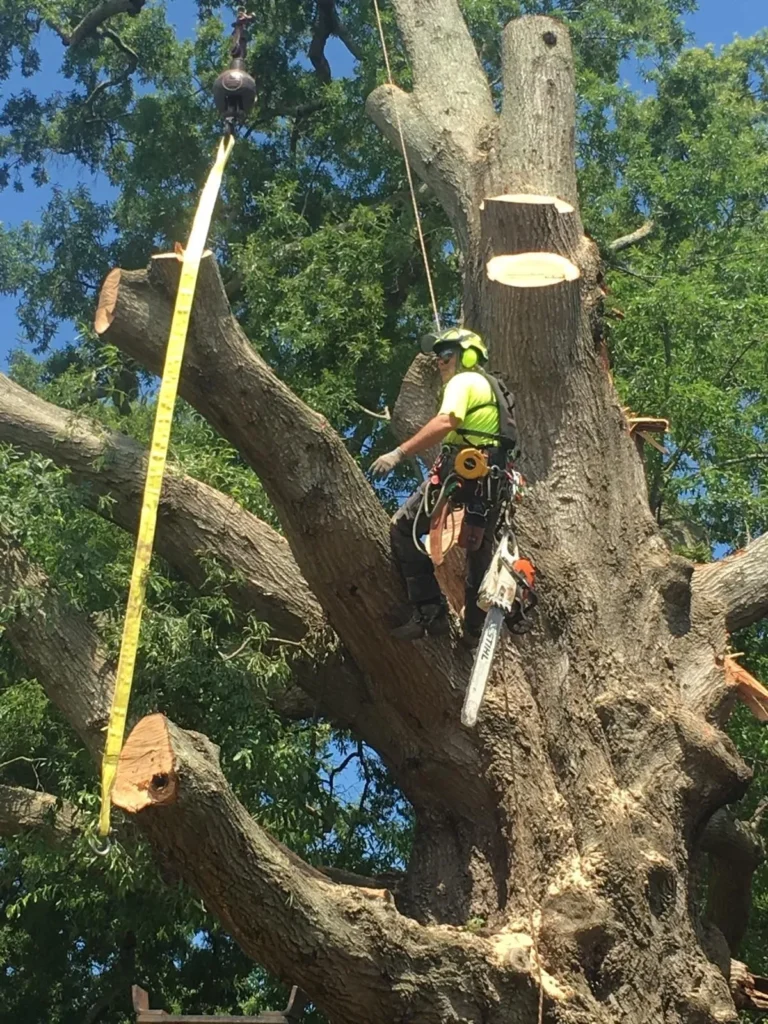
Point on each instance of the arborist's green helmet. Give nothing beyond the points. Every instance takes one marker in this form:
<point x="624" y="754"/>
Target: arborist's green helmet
<point x="467" y="344"/>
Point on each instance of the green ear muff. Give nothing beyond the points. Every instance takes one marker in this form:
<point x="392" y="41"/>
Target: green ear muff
<point x="469" y="358"/>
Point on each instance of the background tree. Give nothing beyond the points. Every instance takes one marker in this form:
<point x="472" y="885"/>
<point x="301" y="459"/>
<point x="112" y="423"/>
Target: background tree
<point x="317" y="247"/>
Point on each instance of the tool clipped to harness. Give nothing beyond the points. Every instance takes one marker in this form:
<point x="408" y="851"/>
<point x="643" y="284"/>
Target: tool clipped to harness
<point x="471" y="464"/>
<point x="508" y="595"/>
<point x="234" y="91"/>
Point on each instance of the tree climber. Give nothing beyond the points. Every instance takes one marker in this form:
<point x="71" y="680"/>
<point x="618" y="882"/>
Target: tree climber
<point x="476" y="413"/>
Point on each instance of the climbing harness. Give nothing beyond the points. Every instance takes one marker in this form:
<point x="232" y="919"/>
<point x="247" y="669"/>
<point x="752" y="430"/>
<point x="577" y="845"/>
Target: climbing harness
<point x="408" y="172"/>
<point x="235" y="94"/>
<point x="463" y="477"/>
<point x="507" y="594"/>
<point x="234" y="91"/>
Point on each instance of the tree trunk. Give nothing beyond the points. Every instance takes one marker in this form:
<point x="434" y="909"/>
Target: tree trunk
<point x="554" y="842"/>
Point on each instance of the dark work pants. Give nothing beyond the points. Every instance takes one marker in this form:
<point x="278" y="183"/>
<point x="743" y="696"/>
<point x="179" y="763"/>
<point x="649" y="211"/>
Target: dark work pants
<point x="417" y="568"/>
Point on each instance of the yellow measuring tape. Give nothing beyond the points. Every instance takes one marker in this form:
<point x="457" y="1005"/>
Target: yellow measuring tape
<point x="158" y="452"/>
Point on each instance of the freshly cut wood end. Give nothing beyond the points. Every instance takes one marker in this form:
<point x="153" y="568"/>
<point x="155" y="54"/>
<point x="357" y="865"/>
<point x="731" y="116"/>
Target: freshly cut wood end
<point x="534" y="200"/>
<point x="750" y="992"/>
<point x="531" y="270"/>
<point x="145" y="773"/>
<point x="750" y="691"/>
<point x="105" y="311"/>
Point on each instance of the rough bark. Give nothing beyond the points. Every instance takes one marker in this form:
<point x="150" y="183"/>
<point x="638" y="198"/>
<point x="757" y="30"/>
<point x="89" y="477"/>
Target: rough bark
<point x="735" y="851"/>
<point x="360" y="959"/>
<point x="417" y="400"/>
<point x="24" y="810"/>
<point x="606" y="718"/>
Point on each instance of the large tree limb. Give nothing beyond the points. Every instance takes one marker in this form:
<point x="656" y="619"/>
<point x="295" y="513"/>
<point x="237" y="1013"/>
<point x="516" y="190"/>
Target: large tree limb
<point x="197" y="523"/>
<point x="446" y="169"/>
<point x="57" y="644"/>
<point x="351" y="951"/>
<point x="448" y="119"/>
<point x="23" y="810"/>
<point x="538" y="119"/>
<point x="334" y="524"/>
<point x="447" y="74"/>
<point x="328" y="23"/>
<point x="738" y="583"/>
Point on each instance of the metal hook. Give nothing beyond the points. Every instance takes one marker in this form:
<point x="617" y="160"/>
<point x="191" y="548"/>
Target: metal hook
<point x="99" y="850"/>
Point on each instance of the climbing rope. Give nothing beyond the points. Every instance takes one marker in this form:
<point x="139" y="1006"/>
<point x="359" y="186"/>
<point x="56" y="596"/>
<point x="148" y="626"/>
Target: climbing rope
<point x="409" y="174"/>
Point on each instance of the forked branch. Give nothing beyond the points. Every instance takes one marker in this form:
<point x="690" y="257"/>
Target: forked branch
<point x="334" y="523"/>
<point x="96" y="17"/>
<point x="328" y="23"/>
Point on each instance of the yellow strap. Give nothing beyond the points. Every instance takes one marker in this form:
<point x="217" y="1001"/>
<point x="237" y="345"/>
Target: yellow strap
<point x="157" y="456"/>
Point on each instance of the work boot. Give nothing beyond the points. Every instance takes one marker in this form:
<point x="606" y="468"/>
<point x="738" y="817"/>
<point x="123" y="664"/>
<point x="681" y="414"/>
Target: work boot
<point x="430" y="617"/>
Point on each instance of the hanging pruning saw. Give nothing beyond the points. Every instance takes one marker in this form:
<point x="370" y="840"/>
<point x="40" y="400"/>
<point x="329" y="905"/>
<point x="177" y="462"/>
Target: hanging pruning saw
<point x="507" y="594"/>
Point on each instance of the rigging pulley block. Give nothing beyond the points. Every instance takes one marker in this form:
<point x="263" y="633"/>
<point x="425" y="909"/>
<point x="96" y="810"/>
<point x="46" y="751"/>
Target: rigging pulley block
<point x="234" y="91"/>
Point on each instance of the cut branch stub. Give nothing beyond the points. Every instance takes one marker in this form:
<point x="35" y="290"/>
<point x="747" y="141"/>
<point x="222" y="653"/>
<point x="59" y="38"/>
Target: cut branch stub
<point x="538" y="119"/>
<point x="526" y="222"/>
<point x="533" y="285"/>
<point x="146" y="773"/>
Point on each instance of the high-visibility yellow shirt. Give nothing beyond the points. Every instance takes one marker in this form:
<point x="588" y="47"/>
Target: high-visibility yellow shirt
<point x="469" y="397"/>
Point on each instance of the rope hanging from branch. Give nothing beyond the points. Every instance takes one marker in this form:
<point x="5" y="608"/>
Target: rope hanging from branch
<point x="408" y="172"/>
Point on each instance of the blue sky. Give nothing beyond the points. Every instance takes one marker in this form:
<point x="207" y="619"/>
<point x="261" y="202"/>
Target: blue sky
<point x="714" y="22"/>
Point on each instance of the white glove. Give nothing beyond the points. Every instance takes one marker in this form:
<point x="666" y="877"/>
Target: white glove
<point x="386" y="463"/>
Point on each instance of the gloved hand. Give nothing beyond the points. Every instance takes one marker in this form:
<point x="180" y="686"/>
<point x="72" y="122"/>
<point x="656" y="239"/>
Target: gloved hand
<point x="386" y="463"/>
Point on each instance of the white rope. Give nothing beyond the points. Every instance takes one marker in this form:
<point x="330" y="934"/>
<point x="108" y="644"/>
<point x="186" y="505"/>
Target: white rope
<point x="409" y="175"/>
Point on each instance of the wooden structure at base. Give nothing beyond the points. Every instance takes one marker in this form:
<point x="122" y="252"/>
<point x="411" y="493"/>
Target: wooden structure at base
<point x="290" y="1015"/>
